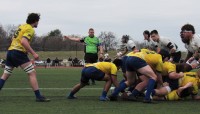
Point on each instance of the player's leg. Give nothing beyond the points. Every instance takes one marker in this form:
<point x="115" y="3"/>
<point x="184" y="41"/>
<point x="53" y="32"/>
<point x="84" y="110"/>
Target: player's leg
<point x="29" y="69"/>
<point x="7" y="70"/>
<point x="84" y="80"/>
<point x="74" y="90"/>
<point x="7" y="73"/>
<point x="161" y="91"/>
<point x="106" y="88"/>
<point x="140" y="86"/>
<point x="147" y="71"/>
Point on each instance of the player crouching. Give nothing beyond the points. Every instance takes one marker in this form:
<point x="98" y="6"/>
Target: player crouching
<point x="100" y="71"/>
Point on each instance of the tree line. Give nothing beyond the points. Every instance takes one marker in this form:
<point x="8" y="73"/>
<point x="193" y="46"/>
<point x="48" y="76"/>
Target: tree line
<point x="53" y="40"/>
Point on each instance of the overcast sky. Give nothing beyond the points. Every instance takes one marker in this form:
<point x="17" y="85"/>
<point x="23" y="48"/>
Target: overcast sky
<point x="130" y="17"/>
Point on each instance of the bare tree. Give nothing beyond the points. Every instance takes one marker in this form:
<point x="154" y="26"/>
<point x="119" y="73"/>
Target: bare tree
<point x="108" y="40"/>
<point x="3" y="47"/>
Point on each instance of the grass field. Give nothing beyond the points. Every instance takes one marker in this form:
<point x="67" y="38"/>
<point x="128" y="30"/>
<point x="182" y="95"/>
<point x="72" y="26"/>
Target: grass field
<point x="17" y="98"/>
<point x="60" y="54"/>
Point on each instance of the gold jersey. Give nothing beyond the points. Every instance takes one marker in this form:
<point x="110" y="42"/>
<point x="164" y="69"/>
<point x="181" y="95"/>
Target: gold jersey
<point x="190" y="77"/>
<point x="168" y="67"/>
<point x="26" y="31"/>
<point x="151" y="57"/>
<point x="106" y="67"/>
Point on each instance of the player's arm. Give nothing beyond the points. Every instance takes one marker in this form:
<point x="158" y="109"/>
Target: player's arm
<point x="174" y="75"/>
<point x="159" y="79"/>
<point x="114" y="80"/>
<point x="124" y="52"/>
<point x="28" y="48"/>
<point x="196" y="97"/>
<point x="189" y="55"/>
<point x="72" y="38"/>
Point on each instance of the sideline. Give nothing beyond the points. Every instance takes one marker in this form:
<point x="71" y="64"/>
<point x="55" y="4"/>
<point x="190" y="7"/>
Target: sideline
<point x="50" y="88"/>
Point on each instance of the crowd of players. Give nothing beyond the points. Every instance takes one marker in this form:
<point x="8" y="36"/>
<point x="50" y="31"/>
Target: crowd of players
<point x="154" y="72"/>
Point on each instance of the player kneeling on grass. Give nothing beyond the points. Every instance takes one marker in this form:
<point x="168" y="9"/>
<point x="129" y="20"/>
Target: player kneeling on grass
<point x="188" y="85"/>
<point x="100" y="71"/>
<point x="17" y="54"/>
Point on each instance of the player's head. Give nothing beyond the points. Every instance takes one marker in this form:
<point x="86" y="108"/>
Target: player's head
<point x="186" y="92"/>
<point x="117" y="62"/>
<point x="183" y="67"/>
<point x="187" y="32"/>
<point x="125" y="38"/>
<point x="33" y="19"/>
<point x="154" y="35"/>
<point x="91" y="32"/>
<point x="165" y="55"/>
<point x="146" y="34"/>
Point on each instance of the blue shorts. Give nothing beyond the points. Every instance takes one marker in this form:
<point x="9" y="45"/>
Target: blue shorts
<point x="91" y="73"/>
<point x="124" y="63"/>
<point x="16" y="58"/>
<point x="173" y="83"/>
<point x="134" y="63"/>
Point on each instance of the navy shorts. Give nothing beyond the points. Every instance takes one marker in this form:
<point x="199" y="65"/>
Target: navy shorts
<point x="91" y="57"/>
<point x="173" y="83"/>
<point x="124" y="63"/>
<point x="91" y="73"/>
<point x="16" y="58"/>
<point x="133" y="63"/>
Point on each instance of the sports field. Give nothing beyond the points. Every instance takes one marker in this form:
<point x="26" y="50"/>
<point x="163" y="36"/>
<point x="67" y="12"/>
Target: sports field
<point x="17" y="98"/>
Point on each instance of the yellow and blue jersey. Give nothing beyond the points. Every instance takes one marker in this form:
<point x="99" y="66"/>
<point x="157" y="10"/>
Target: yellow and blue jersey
<point x="25" y="30"/>
<point x="168" y="67"/>
<point x="190" y="77"/>
<point x="172" y="96"/>
<point x="151" y="57"/>
<point x="106" y="67"/>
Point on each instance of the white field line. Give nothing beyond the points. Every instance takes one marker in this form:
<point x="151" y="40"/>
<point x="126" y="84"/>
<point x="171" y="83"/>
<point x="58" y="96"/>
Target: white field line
<point x="50" y="88"/>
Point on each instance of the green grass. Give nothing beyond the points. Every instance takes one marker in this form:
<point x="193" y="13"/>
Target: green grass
<point x="17" y="98"/>
<point x="60" y="54"/>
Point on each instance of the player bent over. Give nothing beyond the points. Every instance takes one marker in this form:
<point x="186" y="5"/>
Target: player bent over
<point x="141" y="62"/>
<point x="17" y="54"/>
<point x="101" y="71"/>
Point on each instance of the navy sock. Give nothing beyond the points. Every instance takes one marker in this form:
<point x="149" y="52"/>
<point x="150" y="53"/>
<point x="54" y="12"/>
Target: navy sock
<point x="37" y="93"/>
<point x="153" y="92"/>
<point x="104" y="94"/>
<point x="121" y="87"/>
<point x="1" y="83"/>
<point x="71" y="94"/>
<point x="131" y="89"/>
<point x="122" y="81"/>
<point x="150" y="88"/>
<point x="135" y="92"/>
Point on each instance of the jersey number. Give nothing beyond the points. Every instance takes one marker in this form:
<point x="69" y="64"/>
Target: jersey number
<point x="17" y="33"/>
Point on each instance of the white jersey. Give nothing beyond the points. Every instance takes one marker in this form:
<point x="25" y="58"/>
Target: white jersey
<point x="166" y="44"/>
<point x="130" y="45"/>
<point x="150" y="44"/>
<point x="194" y="44"/>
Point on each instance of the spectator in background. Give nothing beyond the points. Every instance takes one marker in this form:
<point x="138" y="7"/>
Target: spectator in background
<point x="70" y="60"/>
<point x="93" y="47"/>
<point x="75" y="62"/>
<point x="48" y="62"/>
<point x="56" y="61"/>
